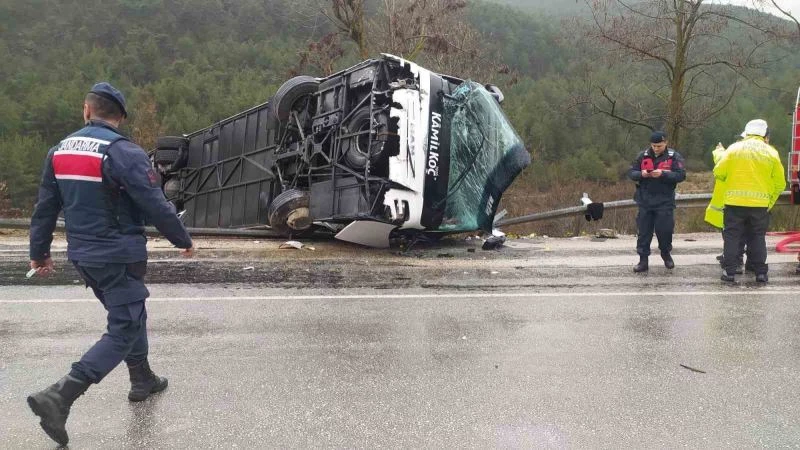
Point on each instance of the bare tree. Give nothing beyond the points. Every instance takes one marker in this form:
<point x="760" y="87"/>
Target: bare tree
<point x="322" y="54"/>
<point x="433" y="32"/>
<point x="349" y="17"/>
<point x="785" y="12"/>
<point x="464" y="53"/>
<point x="687" y="55"/>
<point x="145" y="125"/>
<point x="407" y="28"/>
<point x="436" y="33"/>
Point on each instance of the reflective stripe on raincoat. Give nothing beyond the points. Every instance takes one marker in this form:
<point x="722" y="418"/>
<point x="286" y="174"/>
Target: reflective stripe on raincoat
<point x="752" y="172"/>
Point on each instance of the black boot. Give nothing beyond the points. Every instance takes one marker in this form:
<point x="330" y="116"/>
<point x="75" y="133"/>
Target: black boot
<point x="668" y="262"/>
<point x="53" y="404"/>
<point x="726" y="277"/>
<point x="740" y="268"/>
<point x="761" y="277"/>
<point x="642" y="266"/>
<point x="144" y="382"/>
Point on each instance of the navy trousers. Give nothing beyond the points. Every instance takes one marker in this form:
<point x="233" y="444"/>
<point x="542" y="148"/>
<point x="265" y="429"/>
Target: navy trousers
<point x="743" y="224"/>
<point x="121" y="290"/>
<point x="741" y="251"/>
<point x="662" y="222"/>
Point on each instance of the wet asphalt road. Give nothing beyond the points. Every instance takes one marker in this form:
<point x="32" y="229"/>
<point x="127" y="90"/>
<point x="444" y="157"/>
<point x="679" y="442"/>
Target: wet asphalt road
<point x="439" y="352"/>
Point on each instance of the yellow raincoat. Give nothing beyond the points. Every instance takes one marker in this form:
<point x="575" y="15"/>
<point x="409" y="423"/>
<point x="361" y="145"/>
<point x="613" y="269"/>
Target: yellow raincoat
<point x="752" y="172"/>
<point x="714" y="210"/>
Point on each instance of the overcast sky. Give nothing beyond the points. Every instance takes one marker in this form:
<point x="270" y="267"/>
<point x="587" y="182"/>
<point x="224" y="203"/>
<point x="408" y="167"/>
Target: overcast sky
<point x="787" y="5"/>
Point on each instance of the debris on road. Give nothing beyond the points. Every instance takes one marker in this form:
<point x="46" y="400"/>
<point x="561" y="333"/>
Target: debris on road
<point x="291" y="244"/>
<point x="692" y="369"/>
<point x="494" y="243"/>
<point x="607" y="233"/>
<point x="295" y="244"/>
<point x="248" y="268"/>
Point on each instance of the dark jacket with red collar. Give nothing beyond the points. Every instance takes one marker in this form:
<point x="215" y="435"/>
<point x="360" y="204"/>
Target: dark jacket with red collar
<point x="658" y="192"/>
<point x="106" y="186"/>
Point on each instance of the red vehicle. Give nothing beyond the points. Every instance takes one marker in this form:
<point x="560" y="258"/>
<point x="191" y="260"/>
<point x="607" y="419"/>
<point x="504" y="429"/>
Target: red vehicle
<point x="790" y="243"/>
<point x="794" y="153"/>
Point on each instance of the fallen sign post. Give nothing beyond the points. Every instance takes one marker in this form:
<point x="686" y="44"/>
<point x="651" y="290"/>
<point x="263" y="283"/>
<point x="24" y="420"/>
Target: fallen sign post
<point x="681" y="201"/>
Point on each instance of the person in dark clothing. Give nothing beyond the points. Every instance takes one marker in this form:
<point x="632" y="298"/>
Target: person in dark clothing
<point x="715" y="214"/>
<point x="754" y="178"/>
<point x="107" y="188"/>
<point x="656" y="171"/>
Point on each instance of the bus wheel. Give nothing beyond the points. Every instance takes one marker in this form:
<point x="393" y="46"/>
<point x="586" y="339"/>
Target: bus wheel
<point x="289" y="212"/>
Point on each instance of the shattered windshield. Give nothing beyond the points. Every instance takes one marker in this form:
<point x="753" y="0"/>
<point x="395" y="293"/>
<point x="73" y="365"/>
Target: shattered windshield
<point x="484" y="152"/>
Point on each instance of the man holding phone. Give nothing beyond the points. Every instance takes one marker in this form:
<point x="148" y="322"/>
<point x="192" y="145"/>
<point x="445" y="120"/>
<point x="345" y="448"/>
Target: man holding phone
<point x="656" y="171"/>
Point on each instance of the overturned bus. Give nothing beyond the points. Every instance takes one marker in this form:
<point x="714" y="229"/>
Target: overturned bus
<point x="383" y="147"/>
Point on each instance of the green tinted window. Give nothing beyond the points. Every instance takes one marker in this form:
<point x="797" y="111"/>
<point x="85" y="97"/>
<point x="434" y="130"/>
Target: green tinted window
<point x="481" y="139"/>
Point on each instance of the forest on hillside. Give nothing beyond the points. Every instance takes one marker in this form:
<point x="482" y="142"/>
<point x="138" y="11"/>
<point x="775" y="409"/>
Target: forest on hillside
<point x="185" y="64"/>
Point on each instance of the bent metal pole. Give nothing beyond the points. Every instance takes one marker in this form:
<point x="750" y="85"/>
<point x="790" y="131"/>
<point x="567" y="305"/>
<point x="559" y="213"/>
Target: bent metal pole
<point x="681" y="201"/>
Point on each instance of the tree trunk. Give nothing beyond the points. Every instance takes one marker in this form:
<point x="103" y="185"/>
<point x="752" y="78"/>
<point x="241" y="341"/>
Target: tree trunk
<point x="674" y="123"/>
<point x="675" y="105"/>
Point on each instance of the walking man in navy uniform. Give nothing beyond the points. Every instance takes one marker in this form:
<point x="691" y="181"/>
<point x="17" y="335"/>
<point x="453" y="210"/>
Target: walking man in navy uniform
<point x="106" y="187"/>
<point x="656" y="171"/>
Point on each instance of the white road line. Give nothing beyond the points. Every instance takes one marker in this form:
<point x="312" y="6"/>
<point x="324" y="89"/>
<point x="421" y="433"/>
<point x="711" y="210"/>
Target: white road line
<point x="675" y="294"/>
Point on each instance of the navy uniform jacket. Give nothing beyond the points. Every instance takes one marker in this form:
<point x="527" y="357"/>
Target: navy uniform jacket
<point x="106" y="186"/>
<point x="657" y="193"/>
